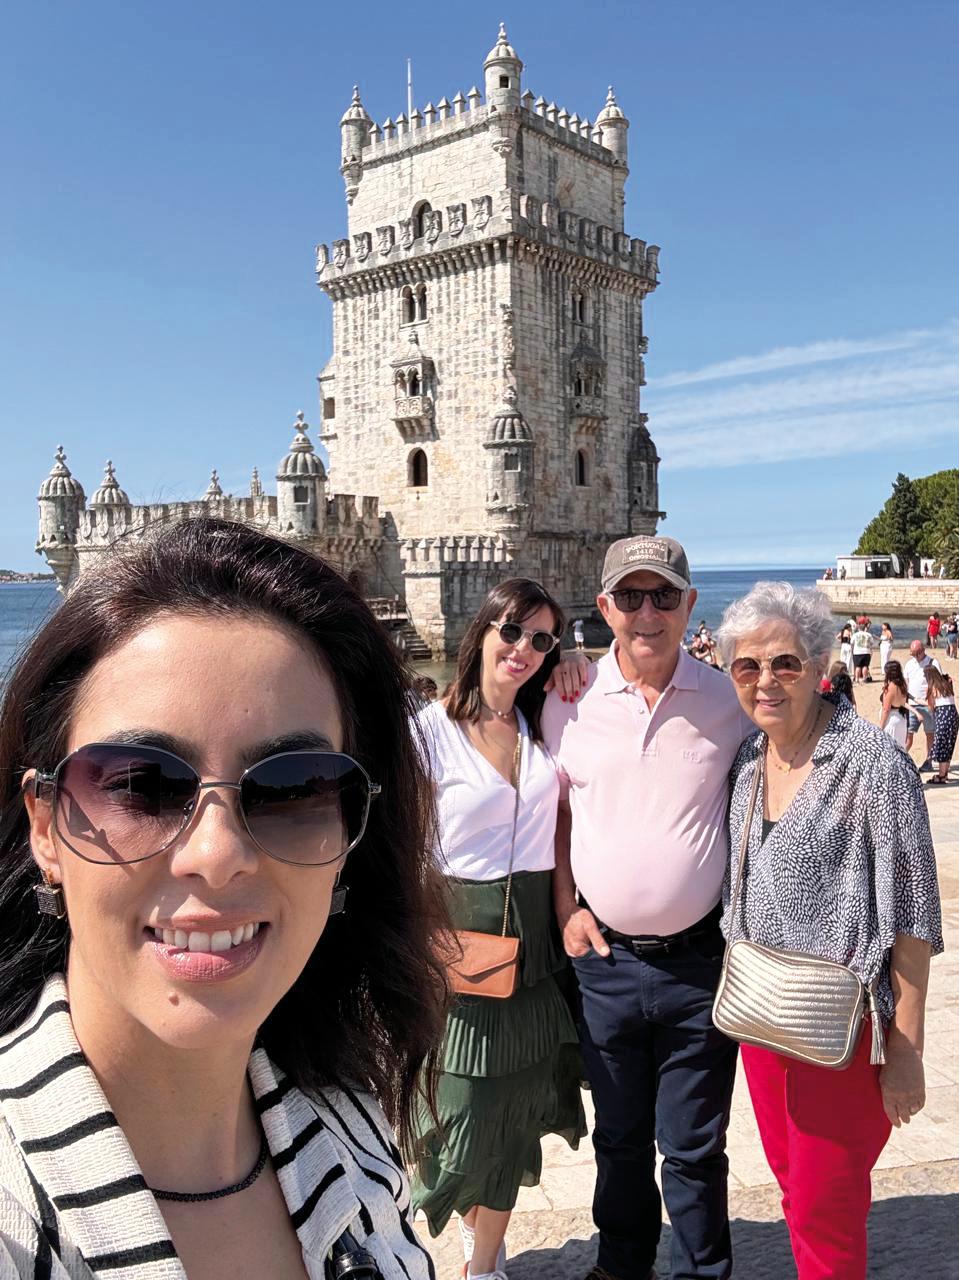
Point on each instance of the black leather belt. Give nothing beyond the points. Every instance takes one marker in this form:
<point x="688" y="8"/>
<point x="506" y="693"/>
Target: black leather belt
<point x="642" y="944"/>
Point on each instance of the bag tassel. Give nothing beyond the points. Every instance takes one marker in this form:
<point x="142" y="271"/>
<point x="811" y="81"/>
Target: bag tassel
<point x="878" y="1054"/>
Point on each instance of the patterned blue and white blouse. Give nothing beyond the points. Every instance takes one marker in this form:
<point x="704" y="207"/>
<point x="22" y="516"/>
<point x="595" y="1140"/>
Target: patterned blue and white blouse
<point x="849" y="865"/>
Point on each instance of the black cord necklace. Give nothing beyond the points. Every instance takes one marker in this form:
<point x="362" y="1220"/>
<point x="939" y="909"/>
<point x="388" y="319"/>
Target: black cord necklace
<point x="192" y="1197"/>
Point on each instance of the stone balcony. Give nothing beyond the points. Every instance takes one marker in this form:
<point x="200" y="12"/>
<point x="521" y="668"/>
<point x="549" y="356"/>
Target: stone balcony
<point x="413" y="416"/>
<point x="589" y="413"/>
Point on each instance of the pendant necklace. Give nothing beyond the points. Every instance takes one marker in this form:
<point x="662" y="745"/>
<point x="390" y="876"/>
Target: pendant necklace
<point x="500" y="715"/>
<point x="787" y="767"/>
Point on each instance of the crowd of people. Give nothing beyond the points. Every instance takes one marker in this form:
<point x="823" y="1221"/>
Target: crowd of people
<point x="327" y="949"/>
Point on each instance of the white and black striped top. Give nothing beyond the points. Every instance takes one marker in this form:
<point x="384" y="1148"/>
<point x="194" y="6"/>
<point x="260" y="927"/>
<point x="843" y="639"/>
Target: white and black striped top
<point x="75" y="1206"/>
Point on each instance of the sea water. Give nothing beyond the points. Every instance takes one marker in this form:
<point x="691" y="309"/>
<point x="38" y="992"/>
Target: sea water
<point x="25" y="606"/>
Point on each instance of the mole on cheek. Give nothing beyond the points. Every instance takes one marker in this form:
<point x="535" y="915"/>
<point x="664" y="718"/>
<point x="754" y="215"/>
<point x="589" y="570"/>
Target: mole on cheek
<point x="173" y="998"/>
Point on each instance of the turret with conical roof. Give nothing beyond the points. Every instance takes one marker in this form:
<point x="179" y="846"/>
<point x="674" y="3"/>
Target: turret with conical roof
<point x="503" y="70"/>
<point x="109" y="494"/>
<point x="61" y="500"/>
<point x="615" y="128"/>
<point x="354" y="136"/>
<point x="301" y="486"/>
<point x="509" y="467"/>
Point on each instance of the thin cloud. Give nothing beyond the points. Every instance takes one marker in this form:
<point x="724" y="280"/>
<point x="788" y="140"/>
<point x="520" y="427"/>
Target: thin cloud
<point x="787" y="357"/>
<point x="871" y="400"/>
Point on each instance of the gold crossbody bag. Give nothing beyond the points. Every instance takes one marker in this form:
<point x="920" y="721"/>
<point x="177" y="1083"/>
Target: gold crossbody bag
<point x="788" y="1001"/>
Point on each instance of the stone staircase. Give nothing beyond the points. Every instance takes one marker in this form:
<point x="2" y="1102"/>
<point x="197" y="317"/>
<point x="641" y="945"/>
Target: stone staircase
<point x="414" y="649"/>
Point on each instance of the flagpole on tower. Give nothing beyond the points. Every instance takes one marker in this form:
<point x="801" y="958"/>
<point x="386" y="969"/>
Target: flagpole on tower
<point x="409" y="88"/>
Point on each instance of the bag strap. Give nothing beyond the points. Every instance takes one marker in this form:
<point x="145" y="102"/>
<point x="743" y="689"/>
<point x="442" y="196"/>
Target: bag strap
<point x="744" y="845"/>
<point x="515" y="777"/>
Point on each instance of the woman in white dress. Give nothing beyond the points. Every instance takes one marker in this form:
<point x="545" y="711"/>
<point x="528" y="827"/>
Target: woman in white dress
<point x="885" y="645"/>
<point x="845" y="648"/>
<point x="895" y="703"/>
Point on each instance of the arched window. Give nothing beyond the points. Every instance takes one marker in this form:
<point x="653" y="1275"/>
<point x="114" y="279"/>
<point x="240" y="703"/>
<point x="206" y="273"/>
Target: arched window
<point x="419" y="219"/>
<point x="578" y="385"/>
<point x="407" y="306"/>
<point x="421" y="302"/>
<point x="419" y="471"/>
<point x="301" y="495"/>
<point x="582" y="468"/>
<point x="413" y="384"/>
<point x="579" y="308"/>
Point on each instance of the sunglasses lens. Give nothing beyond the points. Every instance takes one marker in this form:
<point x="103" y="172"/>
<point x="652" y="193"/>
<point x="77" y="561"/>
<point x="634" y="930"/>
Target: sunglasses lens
<point x="122" y="803"/>
<point x="666" y="598"/>
<point x="307" y="807"/>
<point x="745" y="671"/>
<point x="510" y="632"/>
<point x="543" y="641"/>
<point x="787" y="668"/>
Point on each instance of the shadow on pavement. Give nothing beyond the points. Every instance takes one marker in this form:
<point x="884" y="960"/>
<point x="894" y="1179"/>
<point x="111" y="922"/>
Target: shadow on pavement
<point x="909" y="1236"/>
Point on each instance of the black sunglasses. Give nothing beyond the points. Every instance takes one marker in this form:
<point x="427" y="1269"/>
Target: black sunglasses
<point x="116" y="802"/>
<point x="512" y="633"/>
<point x="630" y="599"/>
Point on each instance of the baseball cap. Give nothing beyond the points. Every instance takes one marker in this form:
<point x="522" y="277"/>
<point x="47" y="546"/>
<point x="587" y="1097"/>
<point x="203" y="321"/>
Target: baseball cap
<point x="657" y="555"/>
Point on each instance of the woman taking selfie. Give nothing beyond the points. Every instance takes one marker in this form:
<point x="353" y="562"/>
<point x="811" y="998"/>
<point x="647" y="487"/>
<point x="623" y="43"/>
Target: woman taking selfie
<point x="203" y="752"/>
<point x="510" y="1065"/>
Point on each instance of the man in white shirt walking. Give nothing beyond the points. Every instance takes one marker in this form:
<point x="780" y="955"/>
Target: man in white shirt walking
<point x="919" y="710"/>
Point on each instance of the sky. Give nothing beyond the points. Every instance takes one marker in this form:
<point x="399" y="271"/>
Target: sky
<point x="169" y="167"/>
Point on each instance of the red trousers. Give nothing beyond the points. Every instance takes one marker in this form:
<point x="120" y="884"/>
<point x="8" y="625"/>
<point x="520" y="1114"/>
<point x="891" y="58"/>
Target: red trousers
<point x="822" y="1132"/>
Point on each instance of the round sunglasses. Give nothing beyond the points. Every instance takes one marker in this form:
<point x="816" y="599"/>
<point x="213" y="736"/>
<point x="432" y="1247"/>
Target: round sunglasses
<point x="785" y="667"/>
<point x="125" y="803"/>
<point x="513" y="633"/>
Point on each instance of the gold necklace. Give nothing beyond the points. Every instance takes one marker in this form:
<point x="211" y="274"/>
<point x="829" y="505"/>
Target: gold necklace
<point x="787" y="767"/>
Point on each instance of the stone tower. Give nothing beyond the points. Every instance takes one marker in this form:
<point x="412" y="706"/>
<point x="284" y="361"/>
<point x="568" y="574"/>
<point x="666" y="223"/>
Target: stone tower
<point x="488" y="343"/>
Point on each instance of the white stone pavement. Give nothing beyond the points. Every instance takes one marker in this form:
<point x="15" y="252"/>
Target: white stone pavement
<point x="914" y="1225"/>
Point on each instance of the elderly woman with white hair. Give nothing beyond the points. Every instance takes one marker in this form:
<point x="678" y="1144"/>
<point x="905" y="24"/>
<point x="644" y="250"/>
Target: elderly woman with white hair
<point x="831" y="860"/>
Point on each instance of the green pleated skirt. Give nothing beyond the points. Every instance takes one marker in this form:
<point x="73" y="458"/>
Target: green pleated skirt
<point x="511" y="1068"/>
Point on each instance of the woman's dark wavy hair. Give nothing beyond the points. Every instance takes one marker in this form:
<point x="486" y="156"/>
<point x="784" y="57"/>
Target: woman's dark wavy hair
<point x="369" y="1006"/>
<point x="514" y="600"/>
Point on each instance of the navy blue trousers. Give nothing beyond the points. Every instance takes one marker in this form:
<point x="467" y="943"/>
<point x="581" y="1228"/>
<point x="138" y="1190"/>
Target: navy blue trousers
<point x="661" y="1074"/>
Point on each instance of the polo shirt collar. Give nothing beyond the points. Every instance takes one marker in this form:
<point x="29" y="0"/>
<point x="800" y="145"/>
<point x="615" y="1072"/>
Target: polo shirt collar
<point x="611" y="679"/>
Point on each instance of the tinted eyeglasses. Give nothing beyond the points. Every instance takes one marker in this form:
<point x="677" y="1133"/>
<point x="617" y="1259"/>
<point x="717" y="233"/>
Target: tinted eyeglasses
<point x="630" y="599"/>
<point x="125" y="803"/>
<point x="512" y="633"/>
<point x="785" y="667"/>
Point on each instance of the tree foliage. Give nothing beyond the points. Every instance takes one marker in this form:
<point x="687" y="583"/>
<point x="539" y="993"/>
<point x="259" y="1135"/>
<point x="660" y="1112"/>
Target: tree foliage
<point x="919" y="518"/>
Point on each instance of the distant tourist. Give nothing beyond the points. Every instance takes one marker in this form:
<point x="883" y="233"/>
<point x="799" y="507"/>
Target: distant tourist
<point x="579" y="635"/>
<point x="641" y="848"/>
<point x="197" y="1046"/>
<point x="952" y="636"/>
<point x="845" y="647"/>
<point x="827" y="575"/>
<point x="933" y="627"/>
<point x="894" y="703"/>
<point x="841" y="686"/>
<point x="842" y="574"/>
<point x="510" y="1067"/>
<point x="911" y="570"/>
<point x="919" y="714"/>
<point x="862" y="646"/>
<point x="942" y="701"/>
<point x="842" y="869"/>
<point x="425" y="688"/>
<point x="886" y="640"/>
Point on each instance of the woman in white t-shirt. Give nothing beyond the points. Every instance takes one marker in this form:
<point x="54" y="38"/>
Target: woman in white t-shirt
<point x="511" y="1068"/>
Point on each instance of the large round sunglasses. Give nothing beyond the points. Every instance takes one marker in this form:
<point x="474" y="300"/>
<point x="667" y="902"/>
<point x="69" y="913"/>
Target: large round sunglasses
<point x="786" y="668"/>
<point x="125" y="802"/>
<point x="512" y="633"/>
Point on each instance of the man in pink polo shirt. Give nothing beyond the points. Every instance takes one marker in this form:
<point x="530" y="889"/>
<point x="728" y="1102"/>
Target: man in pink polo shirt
<point x="641" y="851"/>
